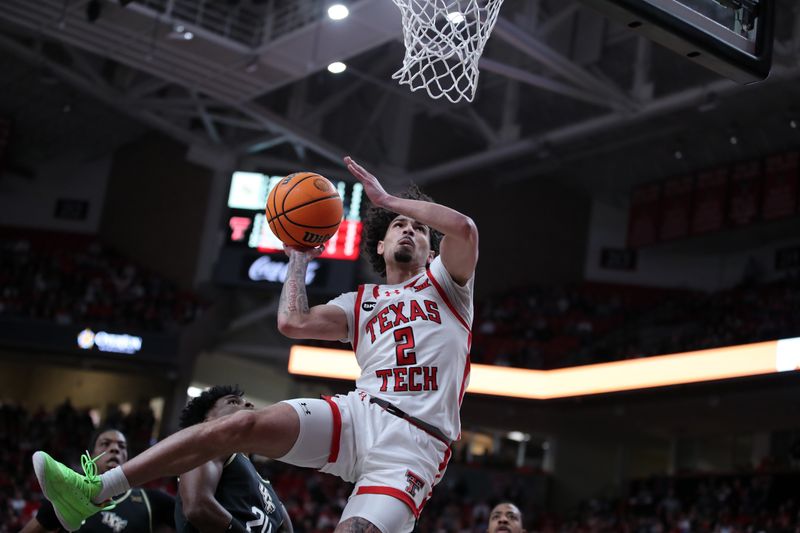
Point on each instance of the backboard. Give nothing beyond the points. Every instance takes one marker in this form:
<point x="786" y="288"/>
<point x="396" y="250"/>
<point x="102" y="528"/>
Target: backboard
<point x="730" y="37"/>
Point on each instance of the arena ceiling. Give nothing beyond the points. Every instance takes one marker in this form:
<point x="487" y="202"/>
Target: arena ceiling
<point x="563" y="90"/>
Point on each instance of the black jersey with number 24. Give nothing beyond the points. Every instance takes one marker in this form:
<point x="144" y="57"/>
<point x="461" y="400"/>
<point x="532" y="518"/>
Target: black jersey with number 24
<point x="249" y="498"/>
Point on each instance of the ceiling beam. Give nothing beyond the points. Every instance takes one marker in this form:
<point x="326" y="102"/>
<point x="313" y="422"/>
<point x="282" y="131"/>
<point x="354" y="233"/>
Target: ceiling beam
<point x="208" y="122"/>
<point x="547" y="84"/>
<point x="261" y="144"/>
<point x="595" y="126"/>
<point x="555" y="21"/>
<point x="111" y="97"/>
<point x="277" y="124"/>
<point x="557" y="63"/>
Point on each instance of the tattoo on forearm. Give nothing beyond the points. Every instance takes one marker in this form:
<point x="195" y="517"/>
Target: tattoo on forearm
<point x="356" y="525"/>
<point x="293" y="296"/>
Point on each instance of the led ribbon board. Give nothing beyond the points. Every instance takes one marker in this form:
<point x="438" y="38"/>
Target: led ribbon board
<point x="633" y="374"/>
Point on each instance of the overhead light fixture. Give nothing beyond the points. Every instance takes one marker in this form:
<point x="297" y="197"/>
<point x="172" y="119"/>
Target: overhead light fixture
<point x="337" y="67"/>
<point x="194" y="392"/>
<point x="518" y="436"/>
<point x="456" y="17"/>
<point x="251" y="66"/>
<point x="338" y="12"/>
<point x="180" y="33"/>
<point x="678" y="154"/>
<point x="733" y="135"/>
<point x="793" y="123"/>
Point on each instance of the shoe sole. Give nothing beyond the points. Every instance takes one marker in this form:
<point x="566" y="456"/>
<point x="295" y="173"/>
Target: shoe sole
<point x="39" y="461"/>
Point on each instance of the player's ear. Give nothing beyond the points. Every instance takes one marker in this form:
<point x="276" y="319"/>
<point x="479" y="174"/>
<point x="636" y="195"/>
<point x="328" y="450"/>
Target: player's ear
<point x="380" y="247"/>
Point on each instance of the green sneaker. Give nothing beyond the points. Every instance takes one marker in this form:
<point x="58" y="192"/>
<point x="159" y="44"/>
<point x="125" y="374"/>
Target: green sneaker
<point x="70" y="493"/>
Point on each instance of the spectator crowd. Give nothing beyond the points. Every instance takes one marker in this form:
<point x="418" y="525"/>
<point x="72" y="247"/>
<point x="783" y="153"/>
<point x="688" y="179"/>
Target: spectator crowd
<point x="69" y="279"/>
<point x="552" y="327"/>
<point x="745" y="502"/>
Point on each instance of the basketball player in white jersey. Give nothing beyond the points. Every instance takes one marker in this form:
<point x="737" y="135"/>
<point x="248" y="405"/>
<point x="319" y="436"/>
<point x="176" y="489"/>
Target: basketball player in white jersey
<point x="391" y="436"/>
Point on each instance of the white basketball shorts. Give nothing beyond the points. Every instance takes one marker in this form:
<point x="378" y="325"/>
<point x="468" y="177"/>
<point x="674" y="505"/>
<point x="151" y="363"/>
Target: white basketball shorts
<point x="382" y="454"/>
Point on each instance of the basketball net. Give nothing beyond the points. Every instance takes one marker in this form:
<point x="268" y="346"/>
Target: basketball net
<point x="444" y="41"/>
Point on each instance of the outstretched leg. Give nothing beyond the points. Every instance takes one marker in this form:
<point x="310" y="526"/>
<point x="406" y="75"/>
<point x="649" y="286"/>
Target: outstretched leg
<point x="270" y="432"/>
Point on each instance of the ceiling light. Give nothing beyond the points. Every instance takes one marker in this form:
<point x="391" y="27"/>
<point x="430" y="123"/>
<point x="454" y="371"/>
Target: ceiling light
<point x="678" y="154"/>
<point x="337" y="67"/>
<point x="338" y="12"/>
<point x="793" y="123"/>
<point x="251" y="66"/>
<point x="455" y="17"/>
<point x="194" y="392"/>
<point x="180" y="33"/>
<point x="518" y="436"/>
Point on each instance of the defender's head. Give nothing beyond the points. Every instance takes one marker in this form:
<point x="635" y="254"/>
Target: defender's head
<point x="112" y="444"/>
<point x="505" y="517"/>
<point x="217" y="401"/>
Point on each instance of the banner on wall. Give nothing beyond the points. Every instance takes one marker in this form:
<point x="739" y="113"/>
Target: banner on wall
<point x="744" y="196"/>
<point x="643" y="217"/>
<point x="710" y="192"/>
<point x="676" y="208"/>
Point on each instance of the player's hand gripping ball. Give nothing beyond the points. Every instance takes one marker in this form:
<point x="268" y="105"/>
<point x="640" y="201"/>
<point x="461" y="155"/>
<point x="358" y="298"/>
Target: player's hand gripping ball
<point x="304" y="209"/>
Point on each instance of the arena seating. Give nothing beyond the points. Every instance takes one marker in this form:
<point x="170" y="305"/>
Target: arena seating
<point x="547" y="327"/>
<point x="69" y="278"/>
<point x="763" y="500"/>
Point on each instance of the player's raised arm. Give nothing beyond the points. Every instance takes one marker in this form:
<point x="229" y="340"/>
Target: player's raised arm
<point x="295" y="319"/>
<point x="459" y="247"/>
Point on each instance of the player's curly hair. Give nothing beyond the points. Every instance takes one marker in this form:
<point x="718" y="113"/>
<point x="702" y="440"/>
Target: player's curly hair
<point x="376" y="223"/>
<point x="197" y="409"/>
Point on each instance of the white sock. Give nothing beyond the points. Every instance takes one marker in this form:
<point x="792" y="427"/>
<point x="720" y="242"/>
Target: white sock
<point x="114" y="482"/>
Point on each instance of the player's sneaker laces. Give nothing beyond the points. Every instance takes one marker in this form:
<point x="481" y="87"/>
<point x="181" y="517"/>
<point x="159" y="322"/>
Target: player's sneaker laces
<point x="70" y="493"/>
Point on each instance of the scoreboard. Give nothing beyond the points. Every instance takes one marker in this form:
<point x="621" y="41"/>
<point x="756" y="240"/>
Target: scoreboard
<point x="248" y="222"/>
<point x="253" y="256"/>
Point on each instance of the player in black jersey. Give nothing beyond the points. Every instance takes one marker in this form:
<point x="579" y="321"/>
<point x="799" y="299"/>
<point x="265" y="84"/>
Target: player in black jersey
<point x="225" y="494"/>
<point x="136" y="511"/>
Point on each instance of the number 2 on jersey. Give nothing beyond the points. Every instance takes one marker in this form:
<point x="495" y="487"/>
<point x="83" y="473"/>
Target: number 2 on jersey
<point x="404" y="337"/>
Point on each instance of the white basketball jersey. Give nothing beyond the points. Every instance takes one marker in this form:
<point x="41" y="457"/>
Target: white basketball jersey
<point x="412" y="343"/>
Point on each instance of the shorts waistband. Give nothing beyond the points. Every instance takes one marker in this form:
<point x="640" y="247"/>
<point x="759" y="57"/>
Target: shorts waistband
<point x="431" y="430"/>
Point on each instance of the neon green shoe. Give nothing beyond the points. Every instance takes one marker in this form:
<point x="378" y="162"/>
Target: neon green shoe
<point x="70" y="493"/>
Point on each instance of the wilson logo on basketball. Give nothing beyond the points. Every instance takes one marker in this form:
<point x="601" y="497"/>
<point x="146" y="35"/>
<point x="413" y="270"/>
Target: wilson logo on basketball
<point x="315" y="238"/>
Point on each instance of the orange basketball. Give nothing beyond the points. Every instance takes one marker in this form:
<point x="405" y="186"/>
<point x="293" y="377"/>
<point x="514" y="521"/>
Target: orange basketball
<point x="304" y="209"/>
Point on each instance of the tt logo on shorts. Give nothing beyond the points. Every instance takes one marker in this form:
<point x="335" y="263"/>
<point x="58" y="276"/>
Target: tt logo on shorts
<point x="306" y="410"/>
<point x="368" y="306"/>
<point x="414" y="483"/>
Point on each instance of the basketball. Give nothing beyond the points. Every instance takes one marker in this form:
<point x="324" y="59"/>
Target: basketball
<point x="304" y="209"/>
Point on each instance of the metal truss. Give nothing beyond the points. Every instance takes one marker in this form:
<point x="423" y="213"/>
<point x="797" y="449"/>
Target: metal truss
<point x="218" y="88"/>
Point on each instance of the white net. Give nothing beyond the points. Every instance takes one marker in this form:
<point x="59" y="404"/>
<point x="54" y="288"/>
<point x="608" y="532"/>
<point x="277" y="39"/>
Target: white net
<point x="444" y="41"/>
